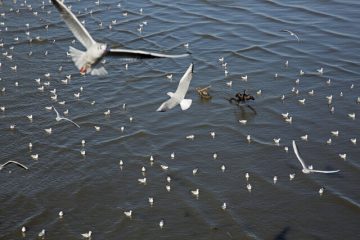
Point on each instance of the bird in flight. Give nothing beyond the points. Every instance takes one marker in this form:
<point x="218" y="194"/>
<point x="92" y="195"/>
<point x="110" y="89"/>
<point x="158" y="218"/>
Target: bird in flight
<point x="179" y="96"/>
<point x="291" y="33"/>
<point x="58" y="118"/>
<point x="85" y="61"/>
<point x="306" y="169"/>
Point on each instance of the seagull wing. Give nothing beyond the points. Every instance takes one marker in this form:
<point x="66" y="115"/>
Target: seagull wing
<point x="320" y="171"/>
<point x="184" y="83"/>
<point x="57" y="113"/>
<point x="17" y="163"/>
<point x="298" y="155"/>
<point x="74" y="24"/>
<point x="71" y="121"/>
<point x="127" y="53"/>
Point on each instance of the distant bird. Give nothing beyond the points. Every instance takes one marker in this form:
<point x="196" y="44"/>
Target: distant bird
<point x="58" y="117"/>
<point x="179" y="96"/>
<point x="195" y="192"/>
<point x="61" y="214"/>
<point x="151" y="201"/>
<point x="277" y="141"/>
<point x="161" y="223"/>
<point x="291" y="176"/>
<point x="247" y="176"/>
<point x="85" y="61"/>
<point x="321" y="191"/>
<point x="244" y="121"/>
<point x="343" y="156"/>
<point x="320" y="71"/>
<point x="306" y="169"/>
<point x="305" y="137"/>
<point x="42" y="233"/>
<point x="275" y="179"/>
<point x="291" y="33"/>
<point x="249" y="187"/>
<point x="14" y="162"/>
<point x="335" y="133"/>
<point x="128" y="213"/>
<point x="87" y="235"/>
<point x="223" y="206"/>
<point x="353" y="140"/>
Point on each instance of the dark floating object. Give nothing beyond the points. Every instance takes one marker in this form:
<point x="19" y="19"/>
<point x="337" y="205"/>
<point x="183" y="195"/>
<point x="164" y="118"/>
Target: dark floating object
<point x="17" y="163"/>
<point x="241" y="98"/>
<point x="204" y="92"/>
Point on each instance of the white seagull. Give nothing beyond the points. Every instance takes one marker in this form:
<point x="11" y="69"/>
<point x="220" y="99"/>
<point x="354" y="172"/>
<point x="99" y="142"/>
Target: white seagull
<point x="305" y="169"/>
<point x="179" y="96"/>
<point x="58" y="118"/>
<point x="86" y="60"/>
<point x="292" y="34"/>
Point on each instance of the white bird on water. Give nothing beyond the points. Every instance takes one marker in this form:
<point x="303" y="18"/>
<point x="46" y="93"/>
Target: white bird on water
<point x="86" y="235"/>
<point x="85" y="61"/>
<point x="58" y="117"/>
<point x="179" y="96"/>
<point x="306" y="169"/>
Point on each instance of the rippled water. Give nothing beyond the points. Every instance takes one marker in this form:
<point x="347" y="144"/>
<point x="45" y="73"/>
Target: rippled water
<point x="94" y="192"/>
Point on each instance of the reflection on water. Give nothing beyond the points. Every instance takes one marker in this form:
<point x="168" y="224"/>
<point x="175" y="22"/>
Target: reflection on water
<point x="93" y="191"/>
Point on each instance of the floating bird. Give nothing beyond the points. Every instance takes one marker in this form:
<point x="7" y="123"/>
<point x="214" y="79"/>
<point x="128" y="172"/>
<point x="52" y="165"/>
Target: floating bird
<point x="291" y="33"/>
<point x="85" y="61"/>
<point x="168" y="188"/>
<point x="35" y="156"/>
<point x="275" y="179"/>
<point x="305" y="137"/>
<point x="194" y="171"/>
<point x="335" y="133"/>
<point x="195" y="192"/>
<point x="247" y="176"/>
<point x="320" y="71"/>
<point x="291" y="176"/>
<point x="172" y="155"/>
<point x="352" y="116"/>
<point x="305" y="169"/>
<point x="42" y="233"/>
<point x="321" y="191"/>
<point x="190" y="137"/>
<point x="161" y="223"/>
<point x="277" y="141"/>
<point x="343" y="156"/>
<point x="353" y="140"/>
<point x="142" y="180"/>
<point x="14" y="162"/>
<point x="23" y="229"/>
<point x="86" y="235"/>
<point x="329" y="141"/>
<point x="212" y="134"/>
<point x="215" y="156"/>
<point x="179" y="96"/>
<point x="244" y="121"/>
<point x="223" y="206"/>
<point x="151" y="201"/>
<point x="128" y="213"/>
<point x="223" y="168"/>
<point x="48" y="130"/>
<point x="164" y="167"/>
<point x="58" y="117"/>
<point x="249" y="187"/>
<point x="61" y="214"/>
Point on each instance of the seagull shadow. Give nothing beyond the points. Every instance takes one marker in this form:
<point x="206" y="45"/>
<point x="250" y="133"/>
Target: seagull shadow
<point x="282" y="234"/>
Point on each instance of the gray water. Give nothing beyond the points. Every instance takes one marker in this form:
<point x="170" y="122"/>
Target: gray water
<point x="93" y="191"/>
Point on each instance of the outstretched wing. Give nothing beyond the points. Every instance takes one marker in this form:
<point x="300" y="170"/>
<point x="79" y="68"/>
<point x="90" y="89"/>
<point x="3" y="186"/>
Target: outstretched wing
<point x="298" y="155"/>
<point x="184" y="83"/>
<point x="17" y="163"/>
<point x="71" y="122"/>
<point x="127" y="53"/>
<point x="319" y="171"/>
<point x="74" y="24"/>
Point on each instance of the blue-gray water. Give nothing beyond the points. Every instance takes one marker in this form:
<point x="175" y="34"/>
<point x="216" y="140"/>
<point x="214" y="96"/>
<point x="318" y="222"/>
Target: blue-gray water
<point x="93" y="192"/>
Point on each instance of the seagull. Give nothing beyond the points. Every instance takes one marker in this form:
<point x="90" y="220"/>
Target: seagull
<point x="42" y="233"/>
<point x="58" y="117"/>
<point x="61" y="214"/>
<point x="95" y="51"/>
<point x="305" y="169"/>
<point x="195" y="192"/>
<point x="292" y="34"/>
<point x="86" y="235"/>
<point x="161" y="223"/>
<point x="179" y="96"/>
<point x="17" y="163"/>
<point x="128" y="213"/>
<point x="321" y="191"/>
<point x="248" y="186"/>
<point x="275" y="179"/>
<point x="223" y="206"/>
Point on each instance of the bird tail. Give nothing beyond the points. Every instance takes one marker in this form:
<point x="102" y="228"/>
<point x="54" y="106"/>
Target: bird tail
<point x="77" y="57"/>
<point x="185" y="104"/>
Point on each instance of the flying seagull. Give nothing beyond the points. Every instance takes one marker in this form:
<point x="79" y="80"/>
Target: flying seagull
<point x="58" y="118"/>
<point x="95" y="51"/>
<point x="179" y="96"/>
<point x="305" y="169"/>
<point x="292" y="34"/>
<point x="17" y="163"/>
